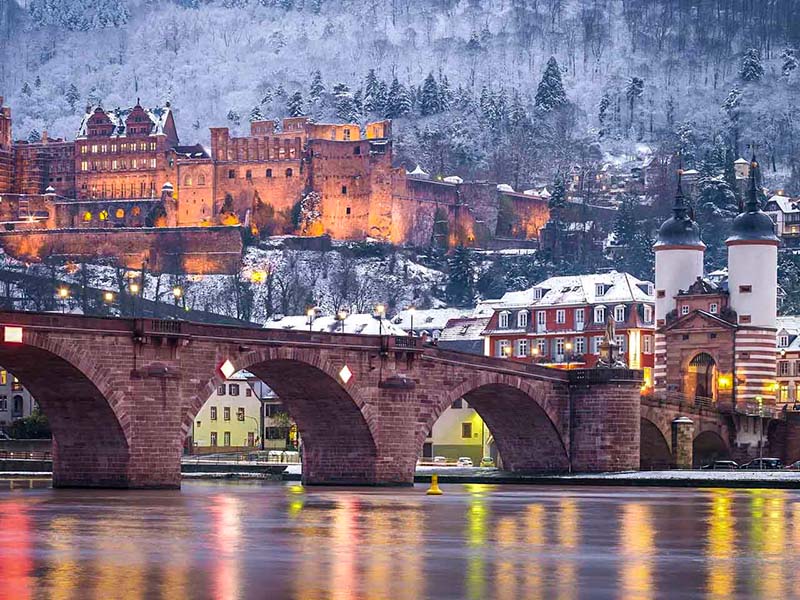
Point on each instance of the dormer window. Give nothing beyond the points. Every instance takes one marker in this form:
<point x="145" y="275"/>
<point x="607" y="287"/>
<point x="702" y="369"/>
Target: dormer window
<point x="648" y="313"/>
<point x="599" y="289"/>
<point x="713" y="308"/>
<point x="599" y="314"/>
<point x="685" y="309"/>
<point x="502" y="320"/>
<point x="522" y="319"/>
<point x="537" y="293"/>
<point x="783" y="341"/>
<point x="619" y="313"/>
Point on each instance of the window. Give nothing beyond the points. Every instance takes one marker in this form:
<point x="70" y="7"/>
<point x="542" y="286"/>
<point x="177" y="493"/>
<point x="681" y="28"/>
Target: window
<point x="620" y="341"/>
<point x="94" y="148"/>
<point x="561" y="316"/>
<point x="560" y="347"/>
<point x="456" y="403"/>
<point x="599" y="289"/>
<point x="783" y="341"/>
<point x="240" y="414"/>
<point x="503" y="320"/>
<point x="501" y="348"/>
<point x="84" y="165"/>
<point x="357" y="150"/>
<point x="344" y="190"/>
<point x="213" y="438"/>
<point x="226" y="413"/>
<point x="346" y="134"/>
<point x="187" y="181"/>
<point x="198" y="424"/>
<point x="596" y="341"/>
<point x="347" y="210"/>
<point x="269" y="174"/>
<point x="201" y="180"/>
<point x="783" y="368"/>
<point x="648" y="313"/>
<point x="600" y="314"/>
<point x="289" y="172"/>
<point x="221" y="390"/>
<point x="661" y="294"/>
<point x="87" y="216"/>
<point x="537" y="293"/>
<point x="226" y="438"/>
<point x="248" y="392"/>
<point x="3" y="377"/>
<point x="522" y="348"/>
<point x="3" y="404"/>
<point x="745" y="289"/>
<point x="648" y="344"/>
<point x="152" y="163"/>
<point x="231" y="173"/>
<point x="466" y="431"/>
<point x="120" y="213"/>
<point x="213" y="413"/>
<point x="233" y="389"/>
<point x="248" y="175"/>
<point x="579" y="316"/>
<point x="619" y="314"/>
<point x="685" y="309"/>
<point x="522" y="319"/>
<point x="541" y="346"/>
<point x="580" y="345"/>
<point x="541" y="318"/>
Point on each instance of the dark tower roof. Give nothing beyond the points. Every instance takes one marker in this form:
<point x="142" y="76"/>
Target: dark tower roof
<point x="679" y="229"/>
<point x="753" y="225"/>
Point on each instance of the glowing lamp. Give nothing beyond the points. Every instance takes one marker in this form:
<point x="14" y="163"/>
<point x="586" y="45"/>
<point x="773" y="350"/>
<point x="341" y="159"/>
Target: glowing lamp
<point x="134" y="288"/>
<point x="63" y="292"/>
<point x="108" y="297"/>
<point x="345" y="374"/>
<point x="227" y="369"/>
<point x="177" y="292"/>
<point x="506" y="351"/>
<point x="12" y="335"/>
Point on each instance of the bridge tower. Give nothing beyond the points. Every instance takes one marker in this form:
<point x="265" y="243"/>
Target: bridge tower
<point x="753" y="288"/>
<point x="679" y="253"/>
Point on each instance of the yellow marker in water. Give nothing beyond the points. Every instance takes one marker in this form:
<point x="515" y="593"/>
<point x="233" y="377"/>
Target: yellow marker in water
<point x="434" y="490"/>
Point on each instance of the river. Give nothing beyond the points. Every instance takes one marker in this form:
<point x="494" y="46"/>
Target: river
<point x="228" y="540"/>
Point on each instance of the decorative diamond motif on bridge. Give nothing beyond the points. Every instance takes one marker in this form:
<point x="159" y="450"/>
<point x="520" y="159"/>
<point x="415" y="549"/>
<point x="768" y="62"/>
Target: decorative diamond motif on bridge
<point x="227" y="369"/>
<point x="345" y="374"/>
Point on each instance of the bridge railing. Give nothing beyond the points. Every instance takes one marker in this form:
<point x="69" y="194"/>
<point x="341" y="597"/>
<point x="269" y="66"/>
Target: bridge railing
<point x="709" y="404"/>
<point x="605" y="375"/>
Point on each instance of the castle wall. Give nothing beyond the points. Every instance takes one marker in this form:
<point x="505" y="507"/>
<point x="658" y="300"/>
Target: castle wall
<point x="194" y="194"/>
<point x="414" y="210"/>
<point x="193" y="250"/>
<point x="48" y="163"/>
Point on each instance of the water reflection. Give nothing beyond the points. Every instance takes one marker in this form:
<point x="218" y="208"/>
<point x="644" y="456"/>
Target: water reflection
<point x="226" y="541"/>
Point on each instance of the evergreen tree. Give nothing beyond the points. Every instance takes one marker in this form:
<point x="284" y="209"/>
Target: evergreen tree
<point x="460" y="290"/>
<point x="751" y="69"/>
<point x="399" y="103"/>
<point x="633" y="90"/>
<point x="550" y="93"/>
<point x="374" y="94"/>
<point x="627" y="221"/>
<point x="445" y="94"/>
<point x="34" y="136"/>
<point x="558" y="199"/>
<point x="255" y="114"/>
<point x="295" y="105"/>
<point x="72" y="96"/>
<point x="234" y="117"/>
<point x="26" y="89"/>
<point x="789" y="278"/>
<point x="317" y="87"/>
<point x="430" y="102"/>
<point x="492" y="282"/>
<point x="344" y="103"/>
<point x="788" y="61"/>
<point x="602" y="115"/>
<point x="716" y="208"/>
<point x="37" y="83"/>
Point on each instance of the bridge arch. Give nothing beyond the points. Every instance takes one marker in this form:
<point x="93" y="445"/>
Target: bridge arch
<point x="654" y="449"/>
<point x="80" y="399"/>
<point x="522" y="416"/>
<point x="708" y="446"/>
<point x="335" y="423"/>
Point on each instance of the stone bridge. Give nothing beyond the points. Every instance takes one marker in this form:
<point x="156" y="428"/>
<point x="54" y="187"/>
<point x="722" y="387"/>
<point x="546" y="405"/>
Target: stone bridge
<point x="121" y="395"/>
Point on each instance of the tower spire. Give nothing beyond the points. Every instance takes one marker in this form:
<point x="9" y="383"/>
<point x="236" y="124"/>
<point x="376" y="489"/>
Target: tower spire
<point x="753" y="203"/>
<point x="679" y="208"/>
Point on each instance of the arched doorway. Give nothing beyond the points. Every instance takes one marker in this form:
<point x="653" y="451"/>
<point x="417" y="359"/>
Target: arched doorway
<point x="702" y="380"/>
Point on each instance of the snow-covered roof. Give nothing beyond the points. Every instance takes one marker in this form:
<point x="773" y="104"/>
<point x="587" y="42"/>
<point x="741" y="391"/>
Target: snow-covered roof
<point x="785" y="203"/>
<point x="790" y="325"/>
<point x="453" y="179"/>
<point x="429" y="319"/>
<point x="741" y="161"/>
<point x="545" y="193"/>
<point x="158" y="117"/>
<point x="581" y="289"/>
<point x="463" y="329"/>
<point x="504" y="187"/>
<point x="418" y="172"/>
<point x="360" y="323"/>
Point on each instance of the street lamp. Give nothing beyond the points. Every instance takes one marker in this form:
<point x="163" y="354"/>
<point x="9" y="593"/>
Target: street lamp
<point x="63" y="293"/>
<point x="310" y="315"/>
<point x="108" y="297"/>
<point x="411" y="311"/>
<point x="380" y="310"/>
<point x="177" y="294"/>
<point x="341" y="315"/>
<point x="134" y="289"/>
<point x="568" y="349"/>
<point x="507" y="351"/>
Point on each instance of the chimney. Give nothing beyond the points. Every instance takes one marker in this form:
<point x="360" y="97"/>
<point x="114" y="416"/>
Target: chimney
<point x="44" y="136"/>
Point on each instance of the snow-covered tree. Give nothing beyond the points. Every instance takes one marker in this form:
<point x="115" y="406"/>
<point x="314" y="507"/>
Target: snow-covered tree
<point x="295" y="105"/>
<point x="234" y="117"/>
<point x="317" y="87"/>
<point x="374" y="99"/>
<point x="345" y="104"/>
<point x="751" y="69"/>
<point x="633" y="90"/>
<point x="430" y="102"/>
<point x="34" y="136"/>
<point x="550" y="93"/>
<point x="72" y="96"/>
<point x="788" y="61"/>
<point x="255" y="114"/>
<point x="461" y="277"/>
<point x="399" y="103"/>
<point x="26" y="89"/>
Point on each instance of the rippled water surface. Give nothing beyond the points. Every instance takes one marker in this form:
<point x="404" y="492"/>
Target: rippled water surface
<point x="271" y="540"/>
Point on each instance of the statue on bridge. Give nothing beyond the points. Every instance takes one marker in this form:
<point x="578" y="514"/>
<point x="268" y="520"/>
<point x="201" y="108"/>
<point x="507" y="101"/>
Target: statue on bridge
<point x="609" y="349"/>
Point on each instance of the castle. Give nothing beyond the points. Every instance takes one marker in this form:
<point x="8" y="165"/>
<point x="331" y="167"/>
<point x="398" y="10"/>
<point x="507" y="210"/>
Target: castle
<point x="127" y="169"/>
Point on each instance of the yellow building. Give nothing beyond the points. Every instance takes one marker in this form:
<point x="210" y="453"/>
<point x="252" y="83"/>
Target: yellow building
<point x="459" y="431"/>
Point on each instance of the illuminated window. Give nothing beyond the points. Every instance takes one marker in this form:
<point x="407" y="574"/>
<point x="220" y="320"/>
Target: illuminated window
<point x="136" y="211"/>
<point x="84" y="165"/>
<point x="133" y="163"/>
<point x="103" y="215"/>
<point x="152" y="163"/>
<point x="120" y="214"/>
<point x="114" y="165"/>
<point x="3" y="377"/>
<point x="240" y="414"/>
<point x="226" y="413"/>
<point x="94" y="148"/>
<point x="187" y="180"/>
<point x="87" y="216"/>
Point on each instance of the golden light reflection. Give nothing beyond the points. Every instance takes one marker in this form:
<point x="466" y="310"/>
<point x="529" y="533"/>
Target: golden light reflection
<point x="16" y="551"/>
<point x="119" y="561"/>
<point x="506" y="579"/>
<point x="637" y="547"/>
<point x="535" y="524"/>
<point x="767" y="535"/>
<point x="64" y="574"/>
<point x="227" y="531"/>
<point x="477" y="516"/>
<point x="721" y="546"/>
<point x="411" y="533"/>
<point x="345" y="542"/>
<point x="568" y="539"/>
<point x="175" y="581"/>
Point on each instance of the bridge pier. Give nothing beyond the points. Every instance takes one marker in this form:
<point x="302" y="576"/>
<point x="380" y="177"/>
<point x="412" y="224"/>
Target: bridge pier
<point x="604" y="420"/>
<point x="682" y="442"/>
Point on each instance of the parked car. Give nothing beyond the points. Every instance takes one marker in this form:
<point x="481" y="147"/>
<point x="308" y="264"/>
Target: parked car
<point x="722" y="465"/>
<point x="795" y="466"/>
<point x="763" y="464"/>
<point x="4" y="436"/>
<point x="464" y="461"/>
<point x="487" y="461"/>
<point x="440" y="460"/>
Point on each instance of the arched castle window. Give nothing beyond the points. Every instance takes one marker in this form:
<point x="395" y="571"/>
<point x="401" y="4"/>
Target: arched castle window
<point x="87" y="216"/>
<point x="187" y="180"/>
<point x="269" y="174"/>
<point x="288" y="172"/>
<point x="120" y="214"/>
<point x="103" y="215"/>
<point x="201" y="180"/>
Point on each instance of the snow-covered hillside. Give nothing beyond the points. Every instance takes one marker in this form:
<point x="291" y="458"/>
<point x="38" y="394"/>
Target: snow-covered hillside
<point x="634" y="71"/>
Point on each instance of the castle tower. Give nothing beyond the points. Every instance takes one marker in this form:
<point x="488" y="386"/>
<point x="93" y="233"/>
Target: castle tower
<point x="753" y="288"/>
<point x="679" y="262"/>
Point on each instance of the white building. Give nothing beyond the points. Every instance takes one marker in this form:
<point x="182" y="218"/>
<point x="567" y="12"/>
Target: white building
<point x="15" y="401"/>
<point x="359" y="323"/>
